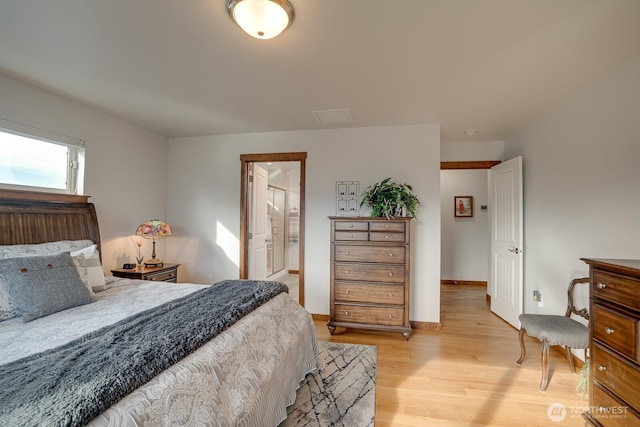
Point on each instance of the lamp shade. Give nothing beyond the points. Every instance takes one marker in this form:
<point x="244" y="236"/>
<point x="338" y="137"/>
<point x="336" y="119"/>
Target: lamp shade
<point x="262" y="19"/>
<point x="154" y="229"/>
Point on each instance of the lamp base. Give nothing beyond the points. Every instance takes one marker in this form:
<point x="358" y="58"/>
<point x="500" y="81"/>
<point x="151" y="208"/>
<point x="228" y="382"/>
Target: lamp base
<point x="154" y="263"/>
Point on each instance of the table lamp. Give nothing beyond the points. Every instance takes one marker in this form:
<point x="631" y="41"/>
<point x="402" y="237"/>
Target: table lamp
<point x="154" y="229"/>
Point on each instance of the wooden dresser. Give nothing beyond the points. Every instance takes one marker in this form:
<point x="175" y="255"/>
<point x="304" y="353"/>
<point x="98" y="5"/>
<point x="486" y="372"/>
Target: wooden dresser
<point x="614" y="389"/>
<point x="370" y="274"/>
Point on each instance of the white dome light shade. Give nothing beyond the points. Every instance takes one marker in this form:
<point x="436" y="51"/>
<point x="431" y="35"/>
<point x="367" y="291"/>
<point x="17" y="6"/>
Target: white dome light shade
<point x="262" y="19"/>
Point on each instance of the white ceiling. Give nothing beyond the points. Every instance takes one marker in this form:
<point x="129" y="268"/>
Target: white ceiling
<point x="183" y="68"/>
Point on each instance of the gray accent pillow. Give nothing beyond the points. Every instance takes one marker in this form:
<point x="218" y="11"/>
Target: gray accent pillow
<point x="42" y="285"/>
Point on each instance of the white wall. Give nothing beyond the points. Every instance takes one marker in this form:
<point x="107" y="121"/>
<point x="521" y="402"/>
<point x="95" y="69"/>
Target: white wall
<point x="126" y="166"/>
<point x="204" y="188"/>
<point x="581" y="163"/>
<point x="465" y="241"/>
<point x="466" y="151"/>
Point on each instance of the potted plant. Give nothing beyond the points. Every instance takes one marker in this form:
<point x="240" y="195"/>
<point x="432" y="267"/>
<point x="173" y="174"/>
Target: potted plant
<point x="389" y="199"/>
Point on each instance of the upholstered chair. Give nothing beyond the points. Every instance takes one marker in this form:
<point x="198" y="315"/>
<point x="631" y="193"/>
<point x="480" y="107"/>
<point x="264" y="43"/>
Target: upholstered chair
<point x="555" y="330"/>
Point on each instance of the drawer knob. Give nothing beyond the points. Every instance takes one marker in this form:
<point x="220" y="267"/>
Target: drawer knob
<point x="347" y="253"/>
<point x="351" y="226"/>
<point x="390" y="254"/>
<point x="346" y="272"/>
<point x="346" y="292"/>
<point x="351" y="235"/>
<point x="390" y="294"/>
<point x="386" y="236"/>
<point x="346" y="313"/>
<point x="386" y="226"/>
<point x="390" y="317"/>
<point x="602" y="368"/>
<point x="390" y="274"/>
<point x="601" y="285"/>
<point x="609" y="330"/>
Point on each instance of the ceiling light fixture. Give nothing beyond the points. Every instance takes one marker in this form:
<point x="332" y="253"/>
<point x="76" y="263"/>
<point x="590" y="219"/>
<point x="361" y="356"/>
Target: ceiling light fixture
<point x="262" y="19"/>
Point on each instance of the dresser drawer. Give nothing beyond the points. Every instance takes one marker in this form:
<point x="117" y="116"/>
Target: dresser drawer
<point x="359" y="236"/>
<point x="617" y="330"/>
<point x="386" y="273"/>
<point x="388" y="316"/>
<point x="397" y="227"/>
<point x="615" y="288"/>
<point x="369" y="293"/>
<point x="609" y="412"/>
<point x="376" y="236"/>
<point x="352" y="226"/>
<point x="384" y="254"/>
<point x="162" y="276"/>
<point x="616" y="374"/>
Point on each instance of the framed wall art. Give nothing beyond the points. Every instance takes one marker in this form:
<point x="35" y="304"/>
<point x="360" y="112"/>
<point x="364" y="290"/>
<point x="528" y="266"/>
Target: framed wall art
<point x="463" y="206"/>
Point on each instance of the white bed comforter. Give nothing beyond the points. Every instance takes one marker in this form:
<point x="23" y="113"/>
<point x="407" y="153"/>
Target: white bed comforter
<point x="245" y="376"/>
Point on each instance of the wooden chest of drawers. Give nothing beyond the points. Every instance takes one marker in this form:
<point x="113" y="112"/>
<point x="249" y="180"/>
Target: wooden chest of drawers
<point x="614" y="399"/>
<point x="370" y="274"/>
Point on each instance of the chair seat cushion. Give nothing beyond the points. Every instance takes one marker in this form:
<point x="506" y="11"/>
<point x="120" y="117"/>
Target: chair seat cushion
<point x="556" y="330"/>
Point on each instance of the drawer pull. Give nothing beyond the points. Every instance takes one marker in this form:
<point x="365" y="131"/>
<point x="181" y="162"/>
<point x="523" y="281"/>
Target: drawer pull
<point x="346" y="272"/>
<point x="386" y="226"/>
<point x="347" y="253"/>
<point x="346" y="292"/>
<point x="390" y="317"/>
<point x="351" y="226"/>
<point x="351" y="235"/>
<point x="609" y="330"/>
<point x="346" y="313"/>
<point x="601" y="285"/>
<point x="390" y="254"/>
<point x="386" y="236"/>
<point x="602" y="368"/>
<point x="390" y="274"/>
<point x="390" y="294"/>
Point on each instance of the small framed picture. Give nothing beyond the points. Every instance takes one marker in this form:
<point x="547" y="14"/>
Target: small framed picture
<point x="463" y="206"/>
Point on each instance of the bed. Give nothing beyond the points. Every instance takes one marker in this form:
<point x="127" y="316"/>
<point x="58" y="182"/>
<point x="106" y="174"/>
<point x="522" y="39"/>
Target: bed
<point x="139" y="352"/>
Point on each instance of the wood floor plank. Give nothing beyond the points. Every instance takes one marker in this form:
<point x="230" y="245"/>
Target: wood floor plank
<point x="466" y="373"/>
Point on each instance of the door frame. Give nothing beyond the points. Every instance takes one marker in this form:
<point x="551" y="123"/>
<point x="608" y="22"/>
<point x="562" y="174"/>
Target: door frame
<point x="245" y="160"/>
<point x="473" y="164"/>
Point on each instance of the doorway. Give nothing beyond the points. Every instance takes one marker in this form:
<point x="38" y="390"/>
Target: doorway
<point x="283" y="227"/>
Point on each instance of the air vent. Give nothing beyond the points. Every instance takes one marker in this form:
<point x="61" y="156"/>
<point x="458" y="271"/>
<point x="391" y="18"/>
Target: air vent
<point x="330" y="117"/>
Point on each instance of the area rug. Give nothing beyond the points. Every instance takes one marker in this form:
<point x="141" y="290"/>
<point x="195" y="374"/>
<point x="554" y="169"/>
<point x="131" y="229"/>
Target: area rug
<point x="342" y="394"/>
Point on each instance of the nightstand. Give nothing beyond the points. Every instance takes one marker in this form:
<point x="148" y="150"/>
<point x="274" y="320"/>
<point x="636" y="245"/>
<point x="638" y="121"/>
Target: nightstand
<point x="164" y="273"/>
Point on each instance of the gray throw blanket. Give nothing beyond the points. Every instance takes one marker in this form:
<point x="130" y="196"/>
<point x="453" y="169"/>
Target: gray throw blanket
<point x="72" y="384"/>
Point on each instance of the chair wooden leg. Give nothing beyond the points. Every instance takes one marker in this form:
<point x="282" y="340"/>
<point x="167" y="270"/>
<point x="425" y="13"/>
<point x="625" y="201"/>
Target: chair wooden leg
<point x="523" y="350"/>
<point x="570" y="357"/>
<point x="545" y="366"/>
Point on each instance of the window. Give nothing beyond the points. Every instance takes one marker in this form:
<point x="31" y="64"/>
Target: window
<point x="36" y="159"/>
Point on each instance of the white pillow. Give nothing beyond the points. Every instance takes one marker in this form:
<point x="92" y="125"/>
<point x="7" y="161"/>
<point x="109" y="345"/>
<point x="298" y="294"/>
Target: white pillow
<point x="81" y="265"/>
<point x="48" y="248"/>
<point x="95" y="273"/>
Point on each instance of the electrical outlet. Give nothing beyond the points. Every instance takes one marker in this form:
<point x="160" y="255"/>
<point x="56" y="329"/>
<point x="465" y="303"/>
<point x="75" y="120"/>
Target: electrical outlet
<point x="537" y="296"/>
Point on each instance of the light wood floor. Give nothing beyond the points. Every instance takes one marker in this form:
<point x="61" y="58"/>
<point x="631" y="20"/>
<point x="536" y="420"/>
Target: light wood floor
<point x="465" y="374"/>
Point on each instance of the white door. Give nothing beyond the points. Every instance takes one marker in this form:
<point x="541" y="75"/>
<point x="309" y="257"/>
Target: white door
<point x="258" y="224"/>
<point x="505" y="205"/>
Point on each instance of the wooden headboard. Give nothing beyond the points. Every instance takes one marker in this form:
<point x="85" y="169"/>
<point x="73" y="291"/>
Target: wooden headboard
<point x="28" y="217"/>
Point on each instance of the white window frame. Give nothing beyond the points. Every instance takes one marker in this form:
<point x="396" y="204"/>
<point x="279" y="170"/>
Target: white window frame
<point x="75" y="157"/>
